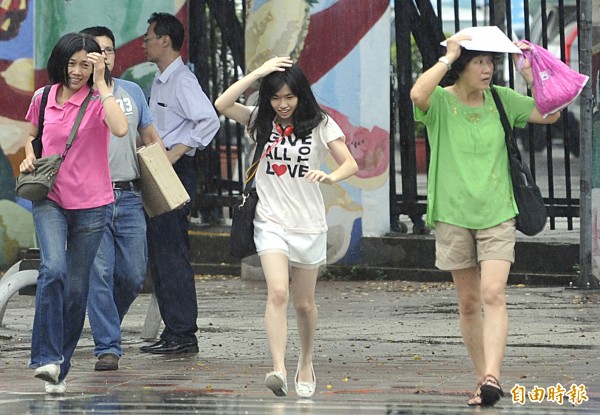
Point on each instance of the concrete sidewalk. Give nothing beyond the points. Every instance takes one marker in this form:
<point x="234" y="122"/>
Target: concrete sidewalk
<point x="381" y="348"/>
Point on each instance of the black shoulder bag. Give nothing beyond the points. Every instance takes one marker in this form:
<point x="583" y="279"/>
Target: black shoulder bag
<point x="241" y="239"/>
<point x="528" y="197"/>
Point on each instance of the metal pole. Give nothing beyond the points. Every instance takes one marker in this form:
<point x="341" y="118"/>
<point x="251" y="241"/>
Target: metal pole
<point x="586" y="280"/>
<point x="406" y="124"/>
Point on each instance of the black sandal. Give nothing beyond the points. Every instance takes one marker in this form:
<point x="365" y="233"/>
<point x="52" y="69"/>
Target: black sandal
<point x="491" y="391"/>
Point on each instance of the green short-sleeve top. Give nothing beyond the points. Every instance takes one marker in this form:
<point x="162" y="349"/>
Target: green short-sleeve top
<point x="469" y="182"/>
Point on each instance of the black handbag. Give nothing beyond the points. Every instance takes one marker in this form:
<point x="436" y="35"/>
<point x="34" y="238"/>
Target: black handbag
<point x="37" y="184"/>
<point x="528" y="197"/>
<point x="241" y="239"/>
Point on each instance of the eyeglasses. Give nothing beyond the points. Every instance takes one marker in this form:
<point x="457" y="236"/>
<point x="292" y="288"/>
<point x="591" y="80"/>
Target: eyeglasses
<point x="147" y="39"/>
<point x="109" y="50"/>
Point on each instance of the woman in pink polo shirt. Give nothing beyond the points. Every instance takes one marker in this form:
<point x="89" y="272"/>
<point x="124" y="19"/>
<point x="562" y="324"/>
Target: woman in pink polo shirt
<point x="70" y="222"/>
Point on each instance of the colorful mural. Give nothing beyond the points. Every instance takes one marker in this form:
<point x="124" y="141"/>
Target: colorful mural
<point x="16" y="73"/>
<point x="28" y="31"/>
<point x="340" y="45"/>
<point x="22" y="67"/>
<point x="16" y="84"/>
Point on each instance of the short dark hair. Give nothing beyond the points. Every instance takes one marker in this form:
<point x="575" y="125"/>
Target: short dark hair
<point x="168" y="25"/>
<point x="67" y="46"/>
<point x="465" y="57"/>
<point x="97" y="31"/>
<point x="308" y="113"/>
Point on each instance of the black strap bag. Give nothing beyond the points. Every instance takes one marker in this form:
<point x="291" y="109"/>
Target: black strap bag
<point x="241" y="239"/>
<point x="528" y="197"/>
<point x="36" y="143"/>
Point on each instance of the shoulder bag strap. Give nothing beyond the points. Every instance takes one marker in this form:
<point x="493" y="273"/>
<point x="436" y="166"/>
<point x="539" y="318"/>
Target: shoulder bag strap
<point x="512" y="148"/>
<point x="258" y="155"/>
<point x="43" y="109"/>
<point x="80" y="115"/>
<point x="254" y="166"/>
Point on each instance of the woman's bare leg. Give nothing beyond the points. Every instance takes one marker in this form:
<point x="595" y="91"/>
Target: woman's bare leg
<point x="303" y="292"/>
<point x="275" y="268"/>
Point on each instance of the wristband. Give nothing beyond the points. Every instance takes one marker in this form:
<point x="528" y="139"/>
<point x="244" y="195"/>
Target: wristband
<point x="105" y="97"/>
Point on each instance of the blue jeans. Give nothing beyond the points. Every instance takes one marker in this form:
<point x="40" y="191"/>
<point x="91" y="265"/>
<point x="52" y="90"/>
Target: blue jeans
<point x="119" y="270"/>
<point x="171" y="270"/>
<point x="69" y="240"/>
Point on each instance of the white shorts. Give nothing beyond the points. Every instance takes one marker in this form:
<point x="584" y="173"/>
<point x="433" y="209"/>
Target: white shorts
<point x="304" y="250"/>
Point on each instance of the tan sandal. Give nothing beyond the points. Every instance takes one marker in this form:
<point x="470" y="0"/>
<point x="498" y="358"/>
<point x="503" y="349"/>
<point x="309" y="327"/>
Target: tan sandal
<point x="475" y="398"/>
<point x="491" y="391"/>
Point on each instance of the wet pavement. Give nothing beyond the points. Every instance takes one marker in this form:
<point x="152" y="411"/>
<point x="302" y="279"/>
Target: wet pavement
<point x="381" y="348"/>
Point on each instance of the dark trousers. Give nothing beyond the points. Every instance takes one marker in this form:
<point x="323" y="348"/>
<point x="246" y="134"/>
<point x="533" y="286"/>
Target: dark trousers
<point x="169" y="262"/>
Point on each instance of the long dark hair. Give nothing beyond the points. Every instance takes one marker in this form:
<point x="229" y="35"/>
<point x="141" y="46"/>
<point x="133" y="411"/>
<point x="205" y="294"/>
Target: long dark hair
<point x="67" y="46"/>
<point x="308" y="113"/>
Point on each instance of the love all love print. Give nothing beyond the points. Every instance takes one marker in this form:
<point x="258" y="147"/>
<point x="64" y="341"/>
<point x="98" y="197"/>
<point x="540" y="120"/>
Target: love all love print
<point x="290" y="157"/>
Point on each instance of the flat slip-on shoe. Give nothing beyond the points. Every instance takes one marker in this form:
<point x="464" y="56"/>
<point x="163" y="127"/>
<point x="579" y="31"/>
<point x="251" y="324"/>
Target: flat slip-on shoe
<point x="305" y="389"/>
<point x="146" y="349"/>
<point x="56" y="388"/>
<point x="277" y="382"/>
<point x="175" y="348"/>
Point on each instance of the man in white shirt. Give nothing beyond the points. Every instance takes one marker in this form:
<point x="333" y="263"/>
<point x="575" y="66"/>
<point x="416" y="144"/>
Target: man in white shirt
<point x="186" y="121"/>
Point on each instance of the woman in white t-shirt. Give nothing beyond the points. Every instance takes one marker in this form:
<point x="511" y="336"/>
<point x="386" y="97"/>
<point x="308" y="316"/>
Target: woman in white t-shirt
<point x="290" y="226"/>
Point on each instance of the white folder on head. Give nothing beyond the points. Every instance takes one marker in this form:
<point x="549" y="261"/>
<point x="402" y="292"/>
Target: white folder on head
<point x="487" y="39"/>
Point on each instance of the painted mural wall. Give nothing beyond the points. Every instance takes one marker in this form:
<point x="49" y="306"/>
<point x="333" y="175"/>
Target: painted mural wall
<point x="16" y="88"/>
<point x="28" y="31"/>
<point x="343" y="47"/>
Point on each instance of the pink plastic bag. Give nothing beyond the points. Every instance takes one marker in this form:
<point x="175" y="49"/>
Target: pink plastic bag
<point x="556" y="85"/>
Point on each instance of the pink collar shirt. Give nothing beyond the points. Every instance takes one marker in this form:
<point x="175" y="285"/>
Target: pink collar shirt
<point x="83" y="181"/>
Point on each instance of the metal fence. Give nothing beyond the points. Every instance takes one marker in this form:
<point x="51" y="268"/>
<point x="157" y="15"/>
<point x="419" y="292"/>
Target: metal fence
<point x="216" y="48"/>
<point x="217" y="53"/>
<point x="552" y="151"/>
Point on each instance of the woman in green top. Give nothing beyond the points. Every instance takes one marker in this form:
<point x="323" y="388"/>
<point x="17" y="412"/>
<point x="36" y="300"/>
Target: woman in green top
<point x="470" y="198"/>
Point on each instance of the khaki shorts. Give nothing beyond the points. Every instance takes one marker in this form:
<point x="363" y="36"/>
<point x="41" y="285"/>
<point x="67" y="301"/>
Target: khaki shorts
<point x="460" y="248"/>
<point x="304" y="250"/>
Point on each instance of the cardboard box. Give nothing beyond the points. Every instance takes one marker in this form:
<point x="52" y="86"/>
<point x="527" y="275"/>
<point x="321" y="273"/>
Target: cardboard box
<point x="162" y="191"/>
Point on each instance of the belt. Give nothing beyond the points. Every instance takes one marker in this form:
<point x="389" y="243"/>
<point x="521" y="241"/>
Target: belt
<point x="131" y="185"/>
